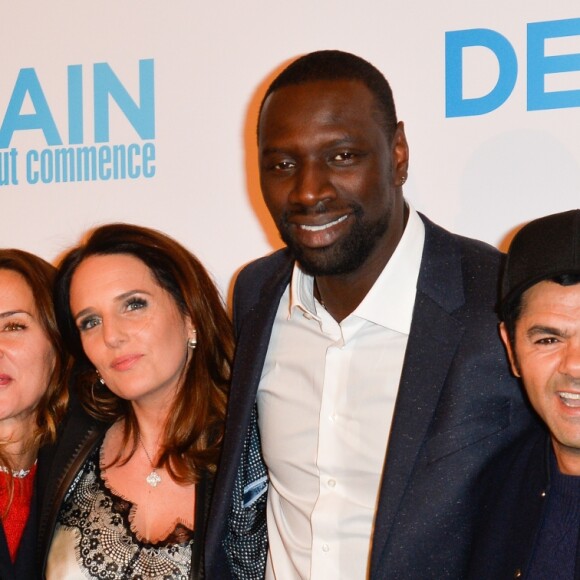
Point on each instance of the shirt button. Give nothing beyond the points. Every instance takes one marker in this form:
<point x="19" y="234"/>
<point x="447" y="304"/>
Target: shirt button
<point x="332" y="482"/>
<point x="325" y="547"/>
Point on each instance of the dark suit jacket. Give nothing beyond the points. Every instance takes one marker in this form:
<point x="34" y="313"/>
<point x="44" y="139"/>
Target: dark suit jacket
<point x="504" y="545"/>
<point x="457" y="407"/>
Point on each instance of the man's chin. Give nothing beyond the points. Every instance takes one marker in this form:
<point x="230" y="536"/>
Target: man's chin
<point x="324" y="261"/>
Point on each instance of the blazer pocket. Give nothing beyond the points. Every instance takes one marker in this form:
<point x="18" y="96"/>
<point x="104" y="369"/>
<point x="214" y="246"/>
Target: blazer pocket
<point x="468" y="432"/>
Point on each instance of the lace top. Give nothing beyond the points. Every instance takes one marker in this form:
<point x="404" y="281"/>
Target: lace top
<point x="94" y="539"/>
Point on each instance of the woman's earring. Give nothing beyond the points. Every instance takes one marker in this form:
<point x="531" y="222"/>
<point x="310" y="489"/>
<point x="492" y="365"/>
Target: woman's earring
<point x="101" y="379"/>
<point x="192" y="342"/>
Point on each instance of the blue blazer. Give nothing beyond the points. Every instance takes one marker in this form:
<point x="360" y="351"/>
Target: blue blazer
<point x="457" y="408"/>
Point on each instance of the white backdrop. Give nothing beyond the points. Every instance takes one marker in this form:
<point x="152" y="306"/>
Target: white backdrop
<point x="480" y="175"/>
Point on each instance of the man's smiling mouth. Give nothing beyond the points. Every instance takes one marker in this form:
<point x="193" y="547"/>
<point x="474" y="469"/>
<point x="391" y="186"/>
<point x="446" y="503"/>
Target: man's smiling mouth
<point x="570" y="399"/>
<point x="323" y="226"/>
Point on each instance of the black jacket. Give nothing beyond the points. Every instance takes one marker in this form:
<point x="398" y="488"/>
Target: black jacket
<point x="505" y="542"/>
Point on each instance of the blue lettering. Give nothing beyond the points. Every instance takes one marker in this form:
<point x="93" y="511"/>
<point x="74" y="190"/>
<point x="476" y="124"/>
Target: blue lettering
<point x="75" y="104"/>
<point x="31" y="174"/>
<point x="141" y="117"/>
<point x="104" y="160"/>
<point x="8" y="167"/>
<point x="134" y="169"/>
<point x="27" y="83"/>
<point x="148" y="155"/>
<point x="46" y="166"/>
<point x="455" y="42"/>
<point x="539" y="65"/>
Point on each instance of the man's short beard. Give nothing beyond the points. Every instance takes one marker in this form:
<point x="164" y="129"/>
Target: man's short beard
<point x="344" y="256"/>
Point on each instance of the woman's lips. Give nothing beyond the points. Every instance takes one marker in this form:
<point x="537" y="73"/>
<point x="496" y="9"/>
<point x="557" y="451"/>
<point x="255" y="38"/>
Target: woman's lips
<point x="124" y="363"/>
<point x="5" y="380"/>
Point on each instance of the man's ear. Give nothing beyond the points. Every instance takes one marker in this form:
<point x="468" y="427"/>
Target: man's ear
<point x="400" y="155"/>
<point x="509" y="348"/>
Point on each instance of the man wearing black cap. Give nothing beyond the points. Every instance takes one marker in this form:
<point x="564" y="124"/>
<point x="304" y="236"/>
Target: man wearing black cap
<point x="533" y="528"/>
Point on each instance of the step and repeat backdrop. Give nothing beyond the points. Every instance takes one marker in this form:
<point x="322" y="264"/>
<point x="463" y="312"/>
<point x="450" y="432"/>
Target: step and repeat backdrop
<point x="145" y="112"/>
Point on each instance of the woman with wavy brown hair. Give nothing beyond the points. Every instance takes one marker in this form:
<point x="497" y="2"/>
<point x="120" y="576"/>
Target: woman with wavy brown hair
<point x="33" y="399"/>
<point x="152" y="345"/>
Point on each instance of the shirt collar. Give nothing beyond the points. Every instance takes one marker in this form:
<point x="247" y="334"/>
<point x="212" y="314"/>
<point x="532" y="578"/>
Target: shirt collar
<point x="391" y="299"/>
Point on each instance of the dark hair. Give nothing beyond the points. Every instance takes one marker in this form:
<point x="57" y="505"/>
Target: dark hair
<point x="194" y="428"/>
<point x="39" y="277"/>
<point x="512" y="309"/>
<point x="334" y="65"/>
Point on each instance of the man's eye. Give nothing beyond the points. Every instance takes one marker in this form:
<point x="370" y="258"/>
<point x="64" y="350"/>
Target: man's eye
<point x="547" y="340"/>
<point x="345" y="158"/>
<point x="283" y="165"/>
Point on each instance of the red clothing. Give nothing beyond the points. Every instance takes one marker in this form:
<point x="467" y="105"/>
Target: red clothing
<point x="17" y="516"/>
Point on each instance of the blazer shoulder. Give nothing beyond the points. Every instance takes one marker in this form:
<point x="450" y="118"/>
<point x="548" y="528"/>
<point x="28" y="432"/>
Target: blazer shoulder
<point x="257" y="272"/>
<point x="451" y="261"/>
<point x="265" y="275"/>
<point x="476" y="251"/>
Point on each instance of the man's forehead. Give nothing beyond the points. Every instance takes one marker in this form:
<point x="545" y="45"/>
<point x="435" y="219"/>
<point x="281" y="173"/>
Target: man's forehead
<point x="337" y="99"/>
<point x="550" y="294"/>
<point x="319" y="91"/>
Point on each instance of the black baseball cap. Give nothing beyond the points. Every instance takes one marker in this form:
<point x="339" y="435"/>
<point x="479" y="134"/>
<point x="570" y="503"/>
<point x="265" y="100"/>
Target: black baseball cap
<point x="543" y="249"/>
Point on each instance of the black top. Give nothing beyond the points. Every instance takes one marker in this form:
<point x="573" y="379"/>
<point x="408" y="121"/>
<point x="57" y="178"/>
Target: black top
<point x="524" y="519"/>
<point x="554" y="554"/>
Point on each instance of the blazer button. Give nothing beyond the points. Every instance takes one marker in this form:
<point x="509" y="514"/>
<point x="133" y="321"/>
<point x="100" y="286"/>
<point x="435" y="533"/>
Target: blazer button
<point x="518" y="573"/>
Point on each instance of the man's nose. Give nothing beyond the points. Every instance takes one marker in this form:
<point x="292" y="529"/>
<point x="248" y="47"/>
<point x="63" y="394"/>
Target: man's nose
<point x="570" y="364"/>
<point x="313" y="185"/>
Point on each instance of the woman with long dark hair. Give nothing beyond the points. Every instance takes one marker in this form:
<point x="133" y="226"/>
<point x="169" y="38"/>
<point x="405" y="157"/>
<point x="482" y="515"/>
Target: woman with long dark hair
<point x="33" y="400"/>
<point x="152" y="346"/>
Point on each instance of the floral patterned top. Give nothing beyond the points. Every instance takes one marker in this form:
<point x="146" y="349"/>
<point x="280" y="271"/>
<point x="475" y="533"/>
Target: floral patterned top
<point x="94" y="539"/>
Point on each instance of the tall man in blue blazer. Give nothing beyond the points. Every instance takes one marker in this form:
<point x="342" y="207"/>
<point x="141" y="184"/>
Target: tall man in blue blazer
<point x="370" y="391"/>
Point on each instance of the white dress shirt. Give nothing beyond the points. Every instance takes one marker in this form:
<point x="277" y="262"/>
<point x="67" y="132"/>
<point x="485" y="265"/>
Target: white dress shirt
<point x="325" y="405"/>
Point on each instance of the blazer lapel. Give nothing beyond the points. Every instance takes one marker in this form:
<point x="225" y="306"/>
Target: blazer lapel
<point x="254" y="326"/>
<point x="430" y="350"/>
<point x="252" y="346"/>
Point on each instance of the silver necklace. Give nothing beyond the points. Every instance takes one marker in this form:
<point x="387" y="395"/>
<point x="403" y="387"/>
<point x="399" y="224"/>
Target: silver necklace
<point x="18" y="473"/>
<point x="153" y="479"/>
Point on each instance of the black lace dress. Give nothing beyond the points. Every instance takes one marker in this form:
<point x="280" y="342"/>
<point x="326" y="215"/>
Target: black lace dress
<point x="94" y="537"/>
